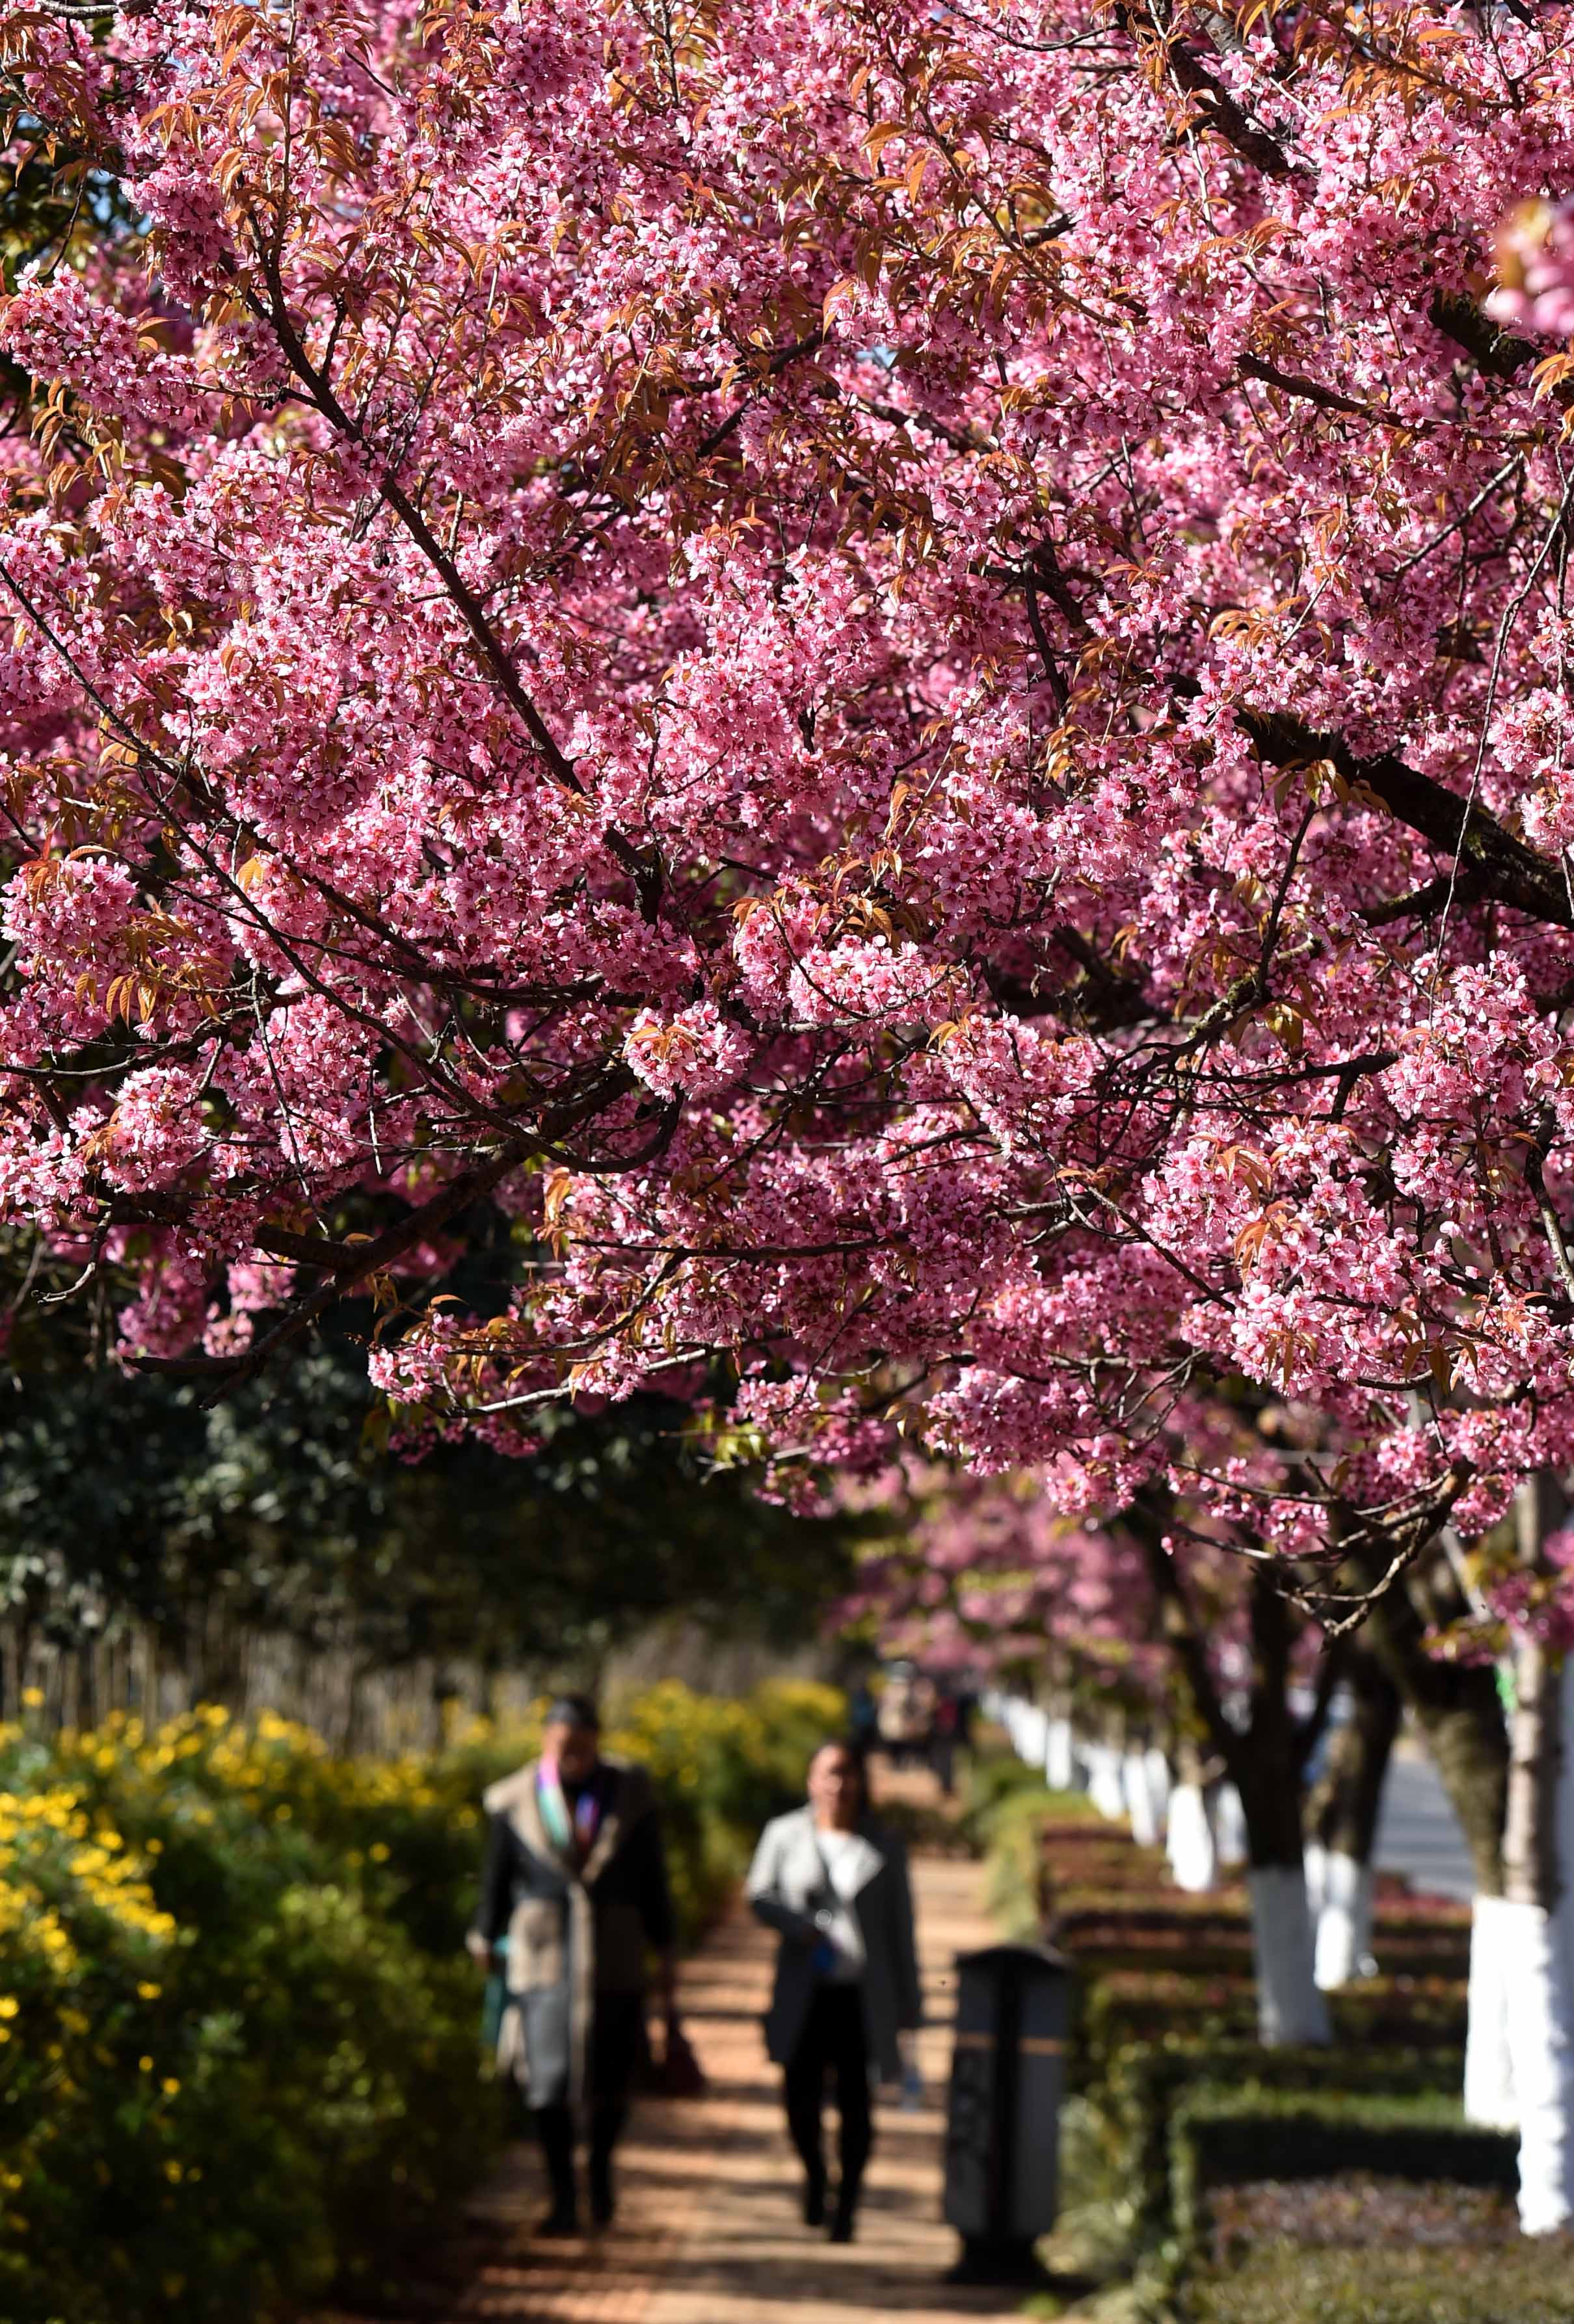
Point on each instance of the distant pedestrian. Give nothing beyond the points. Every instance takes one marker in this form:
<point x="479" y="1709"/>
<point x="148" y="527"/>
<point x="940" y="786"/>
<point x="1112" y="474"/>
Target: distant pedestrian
<point x="576" y="1884"/>
<point x="834" y="1885"/>
<point x="906" y="1714"/>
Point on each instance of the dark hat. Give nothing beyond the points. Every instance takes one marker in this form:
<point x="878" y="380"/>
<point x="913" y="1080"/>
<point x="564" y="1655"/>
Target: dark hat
<point x="574" y="1710"/>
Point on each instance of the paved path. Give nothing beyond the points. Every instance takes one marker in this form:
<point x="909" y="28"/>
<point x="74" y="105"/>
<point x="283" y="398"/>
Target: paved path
<point x="708" y="2228"/>
<point x="1417" y="1832"/>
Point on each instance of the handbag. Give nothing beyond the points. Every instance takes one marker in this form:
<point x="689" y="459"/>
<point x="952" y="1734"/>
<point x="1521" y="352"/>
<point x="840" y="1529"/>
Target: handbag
<point x="679" y="2074"/>
<point x="496" y="2000"/>
<point x="823" y="1959"/>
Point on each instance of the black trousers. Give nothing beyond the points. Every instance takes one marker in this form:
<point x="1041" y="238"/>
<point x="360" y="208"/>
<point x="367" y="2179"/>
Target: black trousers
<point x="834" y="2042"/>
<point x="617" y="2033"/>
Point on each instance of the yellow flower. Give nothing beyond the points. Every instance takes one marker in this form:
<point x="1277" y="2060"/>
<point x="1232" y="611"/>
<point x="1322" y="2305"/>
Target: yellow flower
<point x="33" y="1698"/>
<point x="149" y="1992"/>
<point x="171" y="2087"/>
<point x="9" y="2005"/>
<point x="378" y="1851"/>
<point x="144" y="2065"/>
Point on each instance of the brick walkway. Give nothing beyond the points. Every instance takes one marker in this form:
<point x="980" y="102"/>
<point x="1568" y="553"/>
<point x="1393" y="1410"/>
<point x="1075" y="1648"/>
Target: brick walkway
<point x="709" y="2230"/>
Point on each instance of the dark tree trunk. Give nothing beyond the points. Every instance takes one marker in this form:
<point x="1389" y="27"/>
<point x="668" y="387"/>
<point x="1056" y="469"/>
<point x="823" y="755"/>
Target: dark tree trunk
<point x="1533" y="1932"/>
<point x="1456" y="1705"/>
<point x="1342" y="1819"/>
<point x="1266" y="1762"/>
<point x="1343" y="1810"/>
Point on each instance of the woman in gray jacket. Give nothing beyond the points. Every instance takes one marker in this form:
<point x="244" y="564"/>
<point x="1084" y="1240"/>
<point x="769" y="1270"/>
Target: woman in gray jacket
<point x="834" y="1886"/>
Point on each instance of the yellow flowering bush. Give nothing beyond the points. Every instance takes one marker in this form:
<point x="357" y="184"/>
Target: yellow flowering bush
<point x="238" y="2055"/>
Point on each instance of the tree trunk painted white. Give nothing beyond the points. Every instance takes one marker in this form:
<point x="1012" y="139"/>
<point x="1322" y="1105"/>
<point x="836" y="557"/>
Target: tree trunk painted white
<point x="1535" y="1910"/>
<point x="1343" y="1921"/>
<point x="1540" y="2011"/>
<point x="1157" y="1767"/>
<point x="1489" y="2097"/>
<point x="1290" y="2008"/>
<point x="1315" y="1859"/>
<point x="1229" y="1824"/>
<point x="1190" y="1843"/>
<point x="1139" y="1799"/>
<point x="1060" y="1756"/>
<point x="1105" y="1788"/>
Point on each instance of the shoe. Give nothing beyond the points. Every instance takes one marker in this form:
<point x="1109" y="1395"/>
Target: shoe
<point x="603" y="2201"/>
<point x="559" y="2222"/>
<point x="841" y="2226"/>
<point x="814" y="2202"/>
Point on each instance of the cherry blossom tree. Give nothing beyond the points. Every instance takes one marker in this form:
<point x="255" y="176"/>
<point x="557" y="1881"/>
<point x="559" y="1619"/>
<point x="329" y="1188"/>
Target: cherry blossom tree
<point x="1154" y="1635"/>
<point x="896" y="673"/>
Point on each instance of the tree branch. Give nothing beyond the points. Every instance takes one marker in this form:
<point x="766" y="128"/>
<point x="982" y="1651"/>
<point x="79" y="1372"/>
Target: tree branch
<point x="1498" y="864"/>
<point x="375" y="1256"/>
<point x="1294" y="382"/>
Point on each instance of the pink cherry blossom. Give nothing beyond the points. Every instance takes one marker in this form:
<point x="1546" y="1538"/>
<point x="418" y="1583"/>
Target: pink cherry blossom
<point x="898" y="679"/>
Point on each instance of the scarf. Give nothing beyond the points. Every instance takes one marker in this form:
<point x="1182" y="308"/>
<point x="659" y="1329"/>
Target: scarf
<point x="572" y="1832"/>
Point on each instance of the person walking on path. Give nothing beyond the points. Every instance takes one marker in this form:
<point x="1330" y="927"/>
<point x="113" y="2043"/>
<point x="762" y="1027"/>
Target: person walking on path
<point x="834" y="1885"/>
<point x="575" y="1885"/>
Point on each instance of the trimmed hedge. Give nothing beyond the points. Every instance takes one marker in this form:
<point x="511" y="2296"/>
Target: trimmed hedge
<point x="1221" y="2137"/>
<point x="1527" y="2282"/>
<point x="1177" y="2096"/>
<point x="1148" y="2088"/>
<point x="1122" y="2007"/>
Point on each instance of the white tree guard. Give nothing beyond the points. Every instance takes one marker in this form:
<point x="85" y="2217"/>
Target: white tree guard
<point x="1314" y="1857"/>
<point x="1139" y="1798"/>
<point x="1157" y="1767"/>
<point x="1290" y="2008"/>
<point x="1344" y="1920"/>
<point x="1060" y="1756"/>
<point x="1189" y="1842"/>
<point x="1105" y="1779"/>
<point x="1540" y="1996"/>
<point x="1229" y="1825"/>
<point x="1489" y="2094"/>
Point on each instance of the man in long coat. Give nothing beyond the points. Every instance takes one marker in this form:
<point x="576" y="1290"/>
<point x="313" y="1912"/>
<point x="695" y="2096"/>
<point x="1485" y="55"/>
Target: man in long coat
<point x="575" y="1885"/>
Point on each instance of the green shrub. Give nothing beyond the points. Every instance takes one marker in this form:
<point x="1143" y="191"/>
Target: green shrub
<point x="238" y="2036"/>
<point x="1145" y="2085"/>
<point x="996" y="1781"/>
<point x="1122" y="2007"/>
<point x="1527" y="2282"/>
<point x="1029" y="1826"/>
<point x="990" y="1777"/>
<point x="1221" y="2137"/>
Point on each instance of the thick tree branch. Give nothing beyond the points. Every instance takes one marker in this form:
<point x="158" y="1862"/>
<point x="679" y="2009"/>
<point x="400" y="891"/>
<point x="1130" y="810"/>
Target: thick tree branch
<point x="1497" y="864"/>
<point x="1224" y="115"/>
<point x="1181" y="1631"/>
<point x="1312" y="390"/>
<point x="1495" y="354"/>
<point x="354" y="1262"/>
<point x="1551" y="1224"/>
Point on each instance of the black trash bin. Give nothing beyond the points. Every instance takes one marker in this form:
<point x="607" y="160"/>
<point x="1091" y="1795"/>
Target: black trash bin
<point x="1008" y="2075"/>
